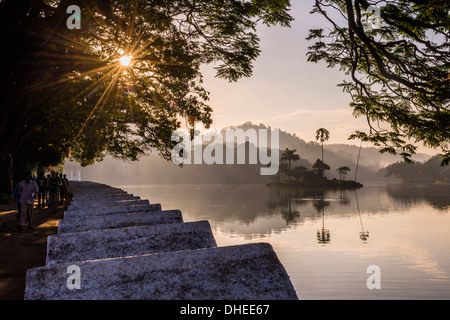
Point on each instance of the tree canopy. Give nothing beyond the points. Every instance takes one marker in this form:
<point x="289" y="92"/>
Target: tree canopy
<point x="66" y="91"/>
<point x="396" y="54"/>
<point x="343" y="170"/>
<point x="320" y="167"/>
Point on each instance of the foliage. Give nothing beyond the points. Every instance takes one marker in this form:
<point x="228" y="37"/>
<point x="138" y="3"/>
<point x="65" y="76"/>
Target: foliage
<point x="343" y="170"/>
<point x="399" y="70"/>
<point x="427" y="172"/>
<point x="298" y="172"/>
<point x="320" y="167"/>
<point x="64" y="91"/>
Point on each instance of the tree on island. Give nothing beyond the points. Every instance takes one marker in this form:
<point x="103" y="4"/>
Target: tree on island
<point x="343" y="170"/>
<point x="289" y="155"/>
<point x="119" y="85"/>
<point x="397" y="56"/>
<point x="298" y="172"/>
<point x="322" y="135"/>
<point x="320" y="167"/>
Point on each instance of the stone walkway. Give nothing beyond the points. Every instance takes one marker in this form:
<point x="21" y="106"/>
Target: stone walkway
<point x="113" y="245"/>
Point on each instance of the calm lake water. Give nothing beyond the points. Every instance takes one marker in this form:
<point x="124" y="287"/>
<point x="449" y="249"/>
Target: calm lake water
<point x="326" y="240"/>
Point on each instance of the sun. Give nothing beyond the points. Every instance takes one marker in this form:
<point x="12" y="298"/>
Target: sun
<point x="126" y="60"/>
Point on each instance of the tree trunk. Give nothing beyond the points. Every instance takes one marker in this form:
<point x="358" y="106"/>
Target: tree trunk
<point x="322" y="151"/>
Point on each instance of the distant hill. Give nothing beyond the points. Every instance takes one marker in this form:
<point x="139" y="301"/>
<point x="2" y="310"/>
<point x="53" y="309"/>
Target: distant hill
<point x="429" y="171"/>
<point x="152" y="169"/>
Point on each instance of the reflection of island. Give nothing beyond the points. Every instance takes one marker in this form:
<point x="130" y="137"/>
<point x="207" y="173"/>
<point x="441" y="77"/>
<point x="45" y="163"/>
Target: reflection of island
<point x="288" y="202"/>
<point x="410" y="194"/>
<point x="255" y="210"/>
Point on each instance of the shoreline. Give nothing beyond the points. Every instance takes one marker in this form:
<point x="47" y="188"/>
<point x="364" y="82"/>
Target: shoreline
<point x="21" y="250"/>
<point x="328" y="184"/>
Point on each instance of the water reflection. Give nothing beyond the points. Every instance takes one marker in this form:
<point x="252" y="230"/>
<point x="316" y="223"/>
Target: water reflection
<point x="322" y="236"/>
<point x="244" y="205"/>
<point x="363" y="234"/>
<point x="438" y="196"/>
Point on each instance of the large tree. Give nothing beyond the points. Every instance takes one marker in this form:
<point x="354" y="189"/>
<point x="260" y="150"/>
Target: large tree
<point x="67" y="90"/>
<point x="396" y="54"/>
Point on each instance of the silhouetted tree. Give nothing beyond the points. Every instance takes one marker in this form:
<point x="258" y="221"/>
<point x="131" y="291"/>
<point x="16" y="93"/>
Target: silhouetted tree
<point x="289" y="155"/>
<point x="322" y="135"/>
<point x="397" y="56"/>
<point x="320" y="167"/>
<point x="298" y="172"/>
<point x="343" y="170"/>
<point x="52" y="74"/>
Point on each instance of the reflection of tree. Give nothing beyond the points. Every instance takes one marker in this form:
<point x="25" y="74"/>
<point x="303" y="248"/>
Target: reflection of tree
<point x="323" y="235"/>
<point x="363" y="235"/>
<point x="320" y="204"/>
<point x="343" y="199"/>
<point x="289" y="200"/>
<point x="288" y="214"/>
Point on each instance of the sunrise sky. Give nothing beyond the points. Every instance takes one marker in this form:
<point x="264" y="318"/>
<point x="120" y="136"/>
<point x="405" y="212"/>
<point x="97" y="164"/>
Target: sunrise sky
<point x="286" y="91"/>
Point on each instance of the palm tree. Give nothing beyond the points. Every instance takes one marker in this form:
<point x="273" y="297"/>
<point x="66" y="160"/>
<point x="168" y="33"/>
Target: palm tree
<point x="343" y="170"/>
<point x="289" y="155"/>
<point x="323" y="135"/>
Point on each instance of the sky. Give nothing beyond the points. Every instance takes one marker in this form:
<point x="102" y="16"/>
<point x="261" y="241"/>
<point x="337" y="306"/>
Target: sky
<point x="286" y="91"/>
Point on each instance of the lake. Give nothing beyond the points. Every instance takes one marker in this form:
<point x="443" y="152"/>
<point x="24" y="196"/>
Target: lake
<point x="327" y="239"/>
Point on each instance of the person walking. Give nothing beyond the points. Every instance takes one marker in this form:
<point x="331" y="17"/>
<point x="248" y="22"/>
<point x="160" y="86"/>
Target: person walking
<point x="53" y="185"/>
<point x="61" y="188"/>
<point x="17" y="197"/>
<point x="66" y="186"/>
<point x="41" y="181"/>
<point x="27" y="192"/>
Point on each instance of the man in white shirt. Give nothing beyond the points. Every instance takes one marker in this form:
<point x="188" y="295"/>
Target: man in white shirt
<point x="27" y="191"/>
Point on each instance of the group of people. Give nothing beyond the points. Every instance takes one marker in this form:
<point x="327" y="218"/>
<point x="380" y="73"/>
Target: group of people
<point x="50" y="190"/>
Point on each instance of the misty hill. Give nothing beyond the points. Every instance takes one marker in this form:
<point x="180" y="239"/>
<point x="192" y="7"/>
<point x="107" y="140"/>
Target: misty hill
<point x="336" y="155"/>
<point x="152" y="169"/>
<point x="429" y="171"/>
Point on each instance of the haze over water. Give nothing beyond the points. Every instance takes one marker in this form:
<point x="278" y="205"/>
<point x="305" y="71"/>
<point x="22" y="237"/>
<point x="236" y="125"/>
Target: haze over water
<point x="408" y="233"/>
